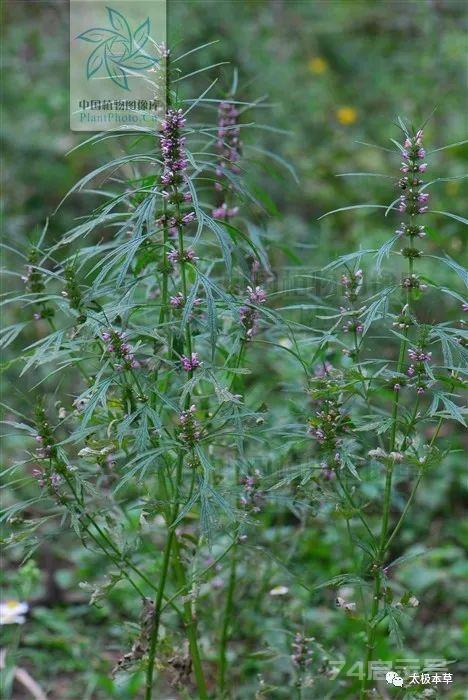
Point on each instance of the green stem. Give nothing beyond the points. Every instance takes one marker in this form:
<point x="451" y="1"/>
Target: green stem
<point x="377" y="567"/>
<point x="414" y="489"/>
<point x="188" y="618"/>
<point x="199" y="575"/>
<point x="171" y="538"/>
<point x="357" y="568"/>
<point x="372" y="629"/>
<point x="162" y="582"/>
<point x="229" y="607"/>
<point x="228" y="610"/>
<point x="405" y="510"/>
<point x="164" y="293"/>
<point x="356" y="510"/>
<point x="190" y="621"/>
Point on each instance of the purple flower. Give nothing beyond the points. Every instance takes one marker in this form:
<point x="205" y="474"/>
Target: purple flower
<point x="55" y="480"/>
<point x="301" y="653"/>
<point x="40" y="476"/>
<point x="190" y="430"/>
<point x="418" y="355"/>
<point x="318" y="434"/>
<point x="229" y="146"/>
<point x="177" y="301"/>
<point x="175" y="163"/>
<point x="411" y="231"/>
<point x="252" y="496"/>
<point x="190" y="363"/>
<point x="248" y="315"/>
<point x="224" y="212"/>
<point x="327" y="473"/>
<point x="352" y="283"/>
<point x="412" y="196"/>
<point x="353" y="325"/>
<point x="173" y="256"/>
<point x="187" y="218"/>
<point x="120" y="349"/>
<point x="257" y="295"/>
<point x="323" y="369"/>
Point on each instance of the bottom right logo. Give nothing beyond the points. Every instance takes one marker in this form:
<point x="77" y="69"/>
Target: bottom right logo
<point x="393" y="678"/>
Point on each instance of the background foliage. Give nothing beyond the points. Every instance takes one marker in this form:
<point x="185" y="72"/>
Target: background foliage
<point x="335" y="73"/>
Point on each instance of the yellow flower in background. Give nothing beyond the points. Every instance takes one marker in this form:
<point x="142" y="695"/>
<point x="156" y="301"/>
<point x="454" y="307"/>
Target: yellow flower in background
<point x="346" y="115"/>
<point x="317" y="65"/>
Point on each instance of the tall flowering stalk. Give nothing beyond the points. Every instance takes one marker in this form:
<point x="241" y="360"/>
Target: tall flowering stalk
<point x="173" y="221"/>
<point x="228" y="145"/>
<point x="350" y="394"/>
<point x="413" y="203"/>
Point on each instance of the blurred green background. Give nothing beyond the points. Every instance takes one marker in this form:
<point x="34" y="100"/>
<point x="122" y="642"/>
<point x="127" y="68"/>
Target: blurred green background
<point x="335" y="73"/>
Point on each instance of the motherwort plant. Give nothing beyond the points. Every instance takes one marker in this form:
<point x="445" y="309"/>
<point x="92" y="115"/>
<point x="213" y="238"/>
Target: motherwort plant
<point x="147" y="329"/>
<point x="389" y="385"/>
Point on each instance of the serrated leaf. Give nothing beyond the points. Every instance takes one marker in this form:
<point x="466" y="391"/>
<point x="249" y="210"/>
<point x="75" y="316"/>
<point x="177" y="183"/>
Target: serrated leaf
<point x="222" y="240"/>
<point x="449" y="214"/>
<point x="142" y="435"/>
<point x="98" y="396"/>
<point x="462" y="272"/>
<point x="190" y="301"/>
<point x="384" y="252"/>
<point x="10" y="333"/>
<point x="377" y="310"/>
<point x="211" y="315"/>
<point x="344" y="259"/>
<point x="453" y="409"/>
<point x="396" y="635"/>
